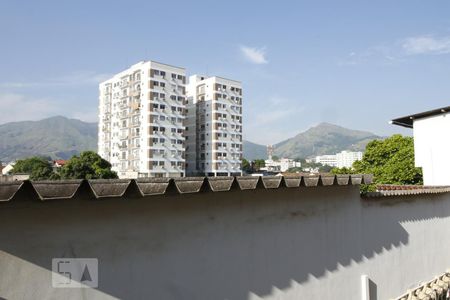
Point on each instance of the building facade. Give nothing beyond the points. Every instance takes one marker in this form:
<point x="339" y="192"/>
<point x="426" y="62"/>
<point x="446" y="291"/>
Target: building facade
<point x="281" y="165"/>
<point x="214" y="126"/>
<point x="431" y="143"/>
<point x="327" y="159"/>
<point x="345" y="159"/>
<point x="141" y="121"/>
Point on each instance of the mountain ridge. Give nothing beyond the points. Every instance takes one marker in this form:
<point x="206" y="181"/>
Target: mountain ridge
<point x="57" y="137"/>
<point x="60" y="137"/>
<point x="324" y="138"/>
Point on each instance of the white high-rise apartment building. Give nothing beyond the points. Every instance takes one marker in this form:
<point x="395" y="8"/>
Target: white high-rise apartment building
<point x="214" y="126"/>
<point x="142" y="114"/>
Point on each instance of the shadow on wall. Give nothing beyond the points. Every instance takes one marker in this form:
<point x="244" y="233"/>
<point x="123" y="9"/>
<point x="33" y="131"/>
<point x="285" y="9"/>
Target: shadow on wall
<point x="372" y="290"/>
<point x="210" y="245"/>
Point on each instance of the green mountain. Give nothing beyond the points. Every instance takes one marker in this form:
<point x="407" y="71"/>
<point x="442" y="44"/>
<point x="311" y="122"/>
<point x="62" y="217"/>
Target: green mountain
<point x="253" y="151"/>
<point x="60" y="137"/>
<point x="56" y="137"/>
<point x="324" y="138"/>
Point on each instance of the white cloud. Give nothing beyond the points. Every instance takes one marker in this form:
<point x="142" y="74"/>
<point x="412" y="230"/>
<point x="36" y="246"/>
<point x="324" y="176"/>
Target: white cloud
<point x="73" y="79"/>
<point x="19" y="107"/>
<point x="381" y="54"/>
<point x="426" y="44"/>
<point x="398" y="51"/>
<point x="254" y="55"/>
<point x="271" y="123"/>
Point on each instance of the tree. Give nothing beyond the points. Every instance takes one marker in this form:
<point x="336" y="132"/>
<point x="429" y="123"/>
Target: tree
<point x="342" y="170"/>
<point x="37" y="167"/>
<point x="88" y="165"/>
<point x="295" y="170"/>
<point x="325" y="168"/>
<point x="246" y="167"/>
<point x="391" y="161"/>
<point x="259" y="163"/>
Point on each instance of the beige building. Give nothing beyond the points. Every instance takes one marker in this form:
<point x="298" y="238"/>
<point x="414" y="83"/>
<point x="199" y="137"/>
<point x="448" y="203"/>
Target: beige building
<point x="214" y="126"/>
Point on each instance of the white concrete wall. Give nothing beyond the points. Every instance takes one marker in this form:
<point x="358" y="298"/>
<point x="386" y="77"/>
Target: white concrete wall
<point x="307" y="243"/>
<point x="432" y="148"/>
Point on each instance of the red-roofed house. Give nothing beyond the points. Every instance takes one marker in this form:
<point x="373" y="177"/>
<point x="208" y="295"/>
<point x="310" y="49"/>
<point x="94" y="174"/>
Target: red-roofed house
<point x="59" y="163"/>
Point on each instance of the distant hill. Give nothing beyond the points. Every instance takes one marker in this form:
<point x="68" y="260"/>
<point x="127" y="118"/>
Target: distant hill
<point x="57" y="137"/>
<point x="324" y="138"/>
<point x="60" y="138"/>
<point x="254" y="151"/>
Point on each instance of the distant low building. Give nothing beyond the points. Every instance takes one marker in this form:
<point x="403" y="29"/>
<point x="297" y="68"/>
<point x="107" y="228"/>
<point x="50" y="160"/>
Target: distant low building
<point x="8" y="168"/>
<point x="340" y="160"/>
<point x="14" y="177"/>
<point x="326" y="160"/>
<point x="281" y="165"/>
<point x="59" y="163"/>
<point x="345" y="159"/>
<point x="431" y="143"/>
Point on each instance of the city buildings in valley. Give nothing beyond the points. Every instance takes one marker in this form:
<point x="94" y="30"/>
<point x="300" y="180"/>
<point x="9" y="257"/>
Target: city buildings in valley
<point x="278" y="165"/>
<point x="141" y="121"/>
<point x="213" y="126"/>
<point x="340" y="160"/>
<point x="281" y="165"/>
<point x="431" y="143"/>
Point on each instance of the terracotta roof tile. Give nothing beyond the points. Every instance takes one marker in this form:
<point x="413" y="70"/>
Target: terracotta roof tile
<point x="403" y="190"/>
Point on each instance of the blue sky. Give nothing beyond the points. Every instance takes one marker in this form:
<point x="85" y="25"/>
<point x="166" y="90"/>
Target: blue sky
<point x="353" y="63"/>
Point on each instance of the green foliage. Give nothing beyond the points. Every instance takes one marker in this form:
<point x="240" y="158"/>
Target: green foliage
<point x="295" y="170"/>
<point x="343" y="170"/>
<point x="310" y="164"/>
<point x="259" y="163"/>
<point x="325" y="169"/>
<point x="391" y="161"/>
<point x="246" y="167"/>
<point x="37" y="167"/>
<point x="88" y="165"/>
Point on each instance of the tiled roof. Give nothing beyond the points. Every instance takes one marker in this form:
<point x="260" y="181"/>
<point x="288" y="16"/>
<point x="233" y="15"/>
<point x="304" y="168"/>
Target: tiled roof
<point x="102" y="188"/>
<point x="402" y="190"/>
<point x="60" y="162"/>
<point x="434" y="289"/>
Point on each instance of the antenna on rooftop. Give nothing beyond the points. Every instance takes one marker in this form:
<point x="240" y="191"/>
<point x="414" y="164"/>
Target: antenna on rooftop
<point x="270" y="151"/>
